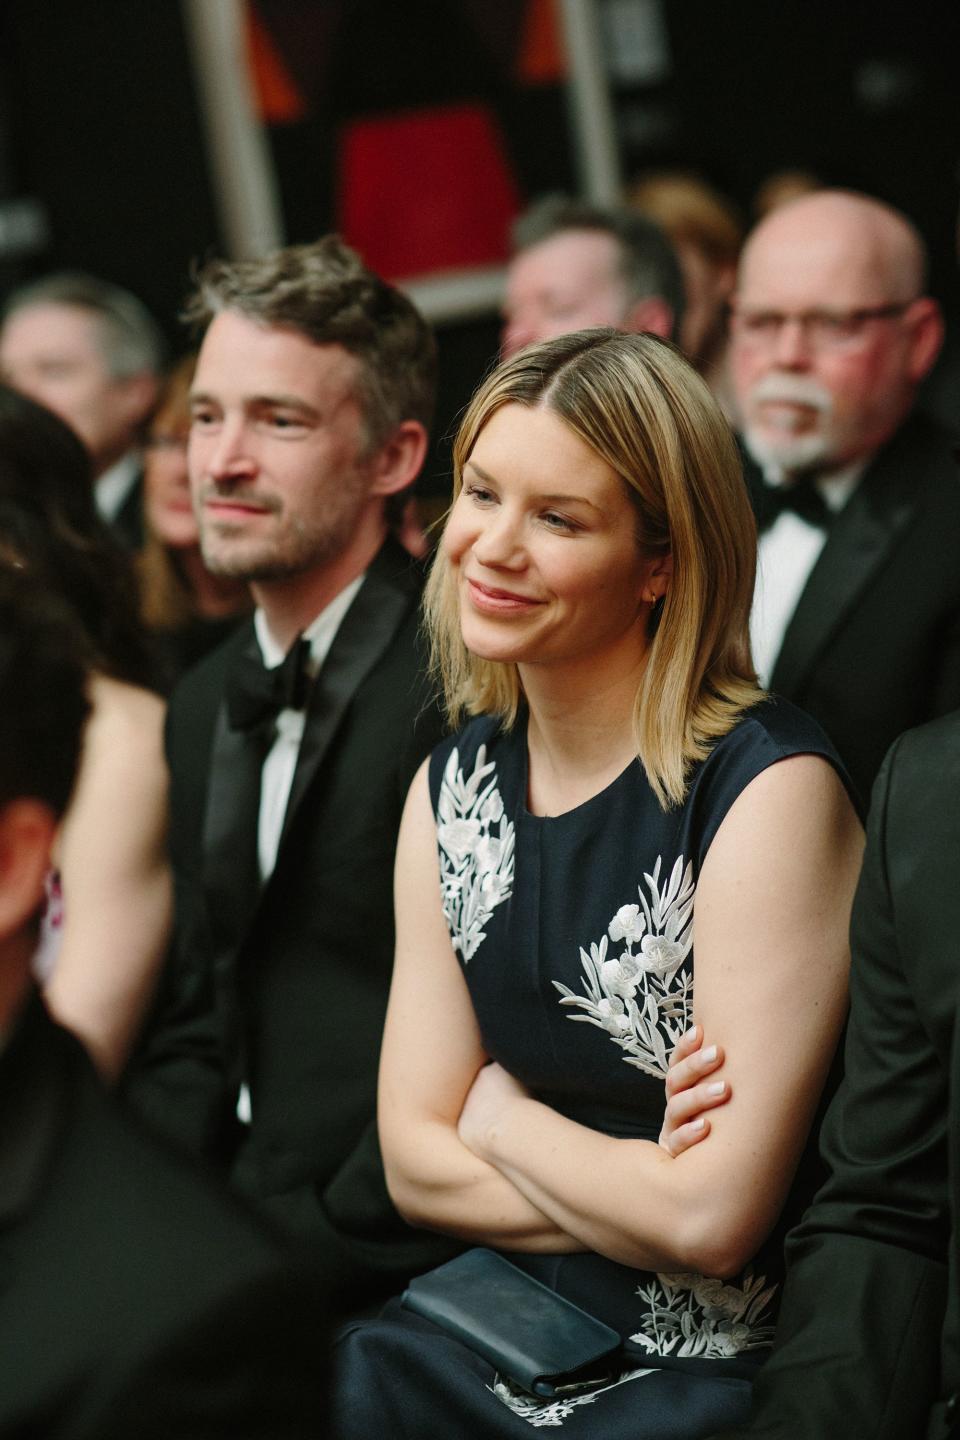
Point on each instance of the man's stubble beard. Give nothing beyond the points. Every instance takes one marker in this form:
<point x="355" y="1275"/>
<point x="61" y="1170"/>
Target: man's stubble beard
<point x="298" y="550"/>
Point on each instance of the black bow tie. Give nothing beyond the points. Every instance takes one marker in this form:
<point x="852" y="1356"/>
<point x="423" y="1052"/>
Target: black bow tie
<point x="801" y="496"/>
<point x="256" y="695"/>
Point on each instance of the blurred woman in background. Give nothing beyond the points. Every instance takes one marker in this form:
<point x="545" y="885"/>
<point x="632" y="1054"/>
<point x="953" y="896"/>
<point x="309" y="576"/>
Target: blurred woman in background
<point x="187" y="610"/>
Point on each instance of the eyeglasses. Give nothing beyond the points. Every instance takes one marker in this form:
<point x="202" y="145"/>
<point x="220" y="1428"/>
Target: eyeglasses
<point x="822" y="329"/>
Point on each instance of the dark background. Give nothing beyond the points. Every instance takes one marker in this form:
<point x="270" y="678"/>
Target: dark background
<point x="99" y="122"/>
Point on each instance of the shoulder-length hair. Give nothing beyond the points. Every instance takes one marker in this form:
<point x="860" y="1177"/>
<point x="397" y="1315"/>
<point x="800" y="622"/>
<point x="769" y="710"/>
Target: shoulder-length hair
<point x="643" y="410"/>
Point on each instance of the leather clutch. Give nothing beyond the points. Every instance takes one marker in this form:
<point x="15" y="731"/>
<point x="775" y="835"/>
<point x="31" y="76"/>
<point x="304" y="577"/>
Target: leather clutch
<point x="544" y="1343"/>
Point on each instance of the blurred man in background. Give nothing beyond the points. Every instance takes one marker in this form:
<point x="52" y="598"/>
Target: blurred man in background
<point x="857" y="610"/>
<point x="576" y="265"/>
<point x="92" y="354"/>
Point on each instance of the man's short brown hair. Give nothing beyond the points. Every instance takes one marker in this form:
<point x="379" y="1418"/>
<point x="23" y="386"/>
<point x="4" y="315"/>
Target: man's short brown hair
<point x="325" y="292"/>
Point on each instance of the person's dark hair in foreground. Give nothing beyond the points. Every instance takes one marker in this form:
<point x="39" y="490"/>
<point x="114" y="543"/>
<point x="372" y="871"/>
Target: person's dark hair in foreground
<point x="50" y="526"/>
<point x="136" y="1299"/>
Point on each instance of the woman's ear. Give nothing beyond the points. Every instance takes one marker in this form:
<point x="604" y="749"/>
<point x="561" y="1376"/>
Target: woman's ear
<point x="658" y="578"/>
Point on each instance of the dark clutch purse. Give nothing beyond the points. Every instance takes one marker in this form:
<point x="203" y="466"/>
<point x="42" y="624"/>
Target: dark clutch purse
<point x="546" y="1344"/>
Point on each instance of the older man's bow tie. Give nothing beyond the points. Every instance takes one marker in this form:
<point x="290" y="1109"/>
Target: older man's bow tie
<point x="801" y="496"/>
<point x="256" y="695"/>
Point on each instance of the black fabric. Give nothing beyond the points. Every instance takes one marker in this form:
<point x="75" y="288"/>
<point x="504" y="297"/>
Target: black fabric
<point x="255" y="695"/>
<point x="136" y="1298"/>
<point x="284" y="986"/>
<point x="868" y="1345"/>
<point x="801" y="497"/>
<point x="873" y="646"/>
<point x="523" y="1328"/>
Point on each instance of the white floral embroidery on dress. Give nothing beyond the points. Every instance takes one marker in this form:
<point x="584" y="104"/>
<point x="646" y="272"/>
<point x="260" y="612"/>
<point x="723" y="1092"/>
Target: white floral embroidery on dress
<point x="543" y="1414"/>
<point x="476" y="843"/>
<point x="640" y="997"/>
<point x="695" y="1315"/>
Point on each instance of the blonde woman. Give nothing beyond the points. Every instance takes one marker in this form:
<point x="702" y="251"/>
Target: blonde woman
<point x="620" y="790"/>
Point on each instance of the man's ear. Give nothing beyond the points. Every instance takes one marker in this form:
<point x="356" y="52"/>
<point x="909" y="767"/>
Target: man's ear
<point x="400" y="459"/>
<point x="27" y="829"/>
<point x="651" y="313"/>
<point x="926" y="336"/>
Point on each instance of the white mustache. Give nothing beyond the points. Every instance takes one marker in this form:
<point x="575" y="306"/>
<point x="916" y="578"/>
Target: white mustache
<point x="792" y="390"/>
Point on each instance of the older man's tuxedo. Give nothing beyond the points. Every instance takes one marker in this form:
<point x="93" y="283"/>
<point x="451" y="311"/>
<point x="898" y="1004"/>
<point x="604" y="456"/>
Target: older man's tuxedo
<point x="868" y="1345"/>
<point x="283" y="986"/>
<point x="873" y="646"/>
<point x="136" y="1298"/>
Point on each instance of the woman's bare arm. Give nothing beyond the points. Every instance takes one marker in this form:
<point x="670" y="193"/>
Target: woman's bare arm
<point x="431" y="1054"/>
<point x="771" y="920"/>
<point x="111" y="855"/>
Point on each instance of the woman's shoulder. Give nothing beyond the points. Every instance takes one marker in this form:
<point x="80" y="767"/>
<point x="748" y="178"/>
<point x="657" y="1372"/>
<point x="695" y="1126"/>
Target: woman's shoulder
<point x="482" y="742"/>
<point x="770" y="731"/>
<point x="119" y="709"/>
<point x="125" y="729"/>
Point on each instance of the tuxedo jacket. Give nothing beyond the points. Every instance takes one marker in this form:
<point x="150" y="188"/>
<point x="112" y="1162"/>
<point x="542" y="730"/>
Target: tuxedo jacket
<point x="283" y="986"/>
<point x="873" y="646"/>
<point x="135" y="1298"/>
<point x="868" y="1345"/>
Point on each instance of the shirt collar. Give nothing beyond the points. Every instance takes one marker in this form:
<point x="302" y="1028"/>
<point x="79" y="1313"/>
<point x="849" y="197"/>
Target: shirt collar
<point x="320" y="632"/>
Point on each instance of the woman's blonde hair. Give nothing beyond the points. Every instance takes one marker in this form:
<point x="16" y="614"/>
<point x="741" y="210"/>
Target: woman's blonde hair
<point x="644" y="411"/>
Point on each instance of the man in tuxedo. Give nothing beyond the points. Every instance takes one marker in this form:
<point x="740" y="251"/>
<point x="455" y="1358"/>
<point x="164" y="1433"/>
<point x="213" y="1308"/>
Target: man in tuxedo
<point x="857" y="611"/>
<point x="868" y="1341"/>
<point x="577" y="265"/>
<point x="92" y="354"/>
<point x="136" y="1298"/>
<point x="291" y="749"/>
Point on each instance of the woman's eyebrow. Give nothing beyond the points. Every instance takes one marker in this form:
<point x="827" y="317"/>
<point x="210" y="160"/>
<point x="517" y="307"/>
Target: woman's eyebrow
<point x="550" y="498"/>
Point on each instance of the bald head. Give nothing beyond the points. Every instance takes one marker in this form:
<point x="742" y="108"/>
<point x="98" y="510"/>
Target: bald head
<point x="873" y="244"/>
<point x="831" y="334"/>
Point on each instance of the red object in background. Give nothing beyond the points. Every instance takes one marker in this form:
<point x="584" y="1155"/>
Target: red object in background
<point x="278" y="100"/>
<point x="426" y="190"/>
<point x="541" y="59"/>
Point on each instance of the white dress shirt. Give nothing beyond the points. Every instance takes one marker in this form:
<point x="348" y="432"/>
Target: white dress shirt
<point x="786" y="555"/>
<point x="281" y="760"/>
<point x="111" y="488"/>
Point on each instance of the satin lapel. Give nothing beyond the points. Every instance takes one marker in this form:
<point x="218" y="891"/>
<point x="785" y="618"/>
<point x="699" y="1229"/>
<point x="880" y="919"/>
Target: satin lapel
<point x="858" y="545"/>
<point x="231" y="880"/>
<point x="381" y="605"/>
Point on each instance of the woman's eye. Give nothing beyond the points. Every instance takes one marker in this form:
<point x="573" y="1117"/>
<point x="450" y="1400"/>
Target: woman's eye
<point x="477" y="492"/>
<point x="559" y="522"/>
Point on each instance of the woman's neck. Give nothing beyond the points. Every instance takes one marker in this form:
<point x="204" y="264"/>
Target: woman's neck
<point x="580" y="734"/>
<point x="214" y="596"/>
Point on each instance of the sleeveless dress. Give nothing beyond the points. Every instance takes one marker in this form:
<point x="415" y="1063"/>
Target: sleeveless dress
<point x="574" y="934"/>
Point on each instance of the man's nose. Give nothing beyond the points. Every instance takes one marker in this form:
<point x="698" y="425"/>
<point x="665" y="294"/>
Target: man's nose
<point x="229" y="455"/>
<point x="792" y="349"/>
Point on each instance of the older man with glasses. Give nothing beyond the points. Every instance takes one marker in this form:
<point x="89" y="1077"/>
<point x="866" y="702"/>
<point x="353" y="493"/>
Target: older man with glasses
<point x="857" y="609"/>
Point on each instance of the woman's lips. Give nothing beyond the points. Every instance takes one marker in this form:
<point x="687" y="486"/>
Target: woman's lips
<point x="487" y="597"/>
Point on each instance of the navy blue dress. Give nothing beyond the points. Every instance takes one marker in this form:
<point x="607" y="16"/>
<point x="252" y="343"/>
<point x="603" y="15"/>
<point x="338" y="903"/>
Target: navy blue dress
<point x="574" y="933"/>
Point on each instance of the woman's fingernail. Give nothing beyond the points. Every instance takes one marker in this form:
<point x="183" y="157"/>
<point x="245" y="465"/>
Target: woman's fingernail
<point x="697" y="1124"/>
<point x="709" y="1054"/>
<point x="717" y="1088"/>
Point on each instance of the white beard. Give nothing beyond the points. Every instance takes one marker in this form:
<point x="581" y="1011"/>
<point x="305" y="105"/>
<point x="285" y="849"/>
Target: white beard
<point x="781" y="452"/>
